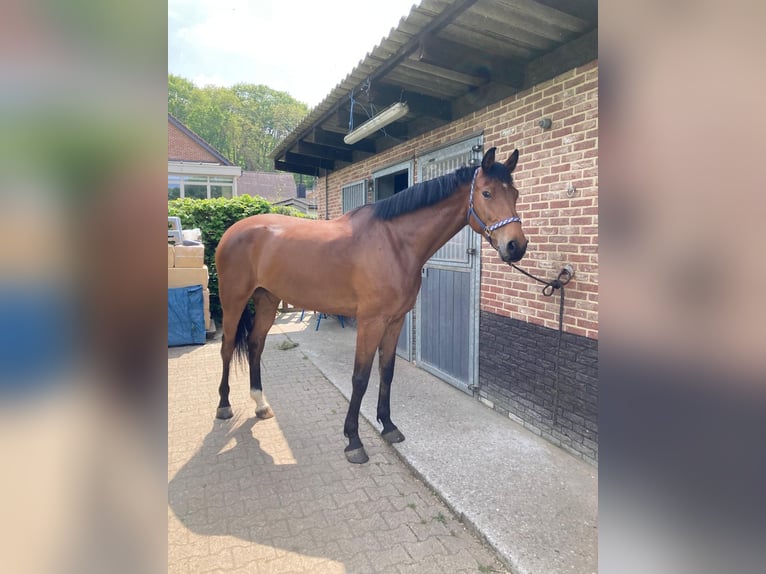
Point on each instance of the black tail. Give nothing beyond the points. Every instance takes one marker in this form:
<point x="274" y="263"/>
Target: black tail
<point x="243" y="331"/>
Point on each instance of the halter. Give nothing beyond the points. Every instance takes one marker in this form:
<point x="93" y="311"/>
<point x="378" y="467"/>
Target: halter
<point x="485" y="229"/>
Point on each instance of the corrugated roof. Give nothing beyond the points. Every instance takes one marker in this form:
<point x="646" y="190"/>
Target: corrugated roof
<point x="445" y="59"/>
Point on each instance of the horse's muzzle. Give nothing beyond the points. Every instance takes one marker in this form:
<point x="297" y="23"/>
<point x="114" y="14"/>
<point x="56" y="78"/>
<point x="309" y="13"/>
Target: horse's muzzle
<point x="513" y="252"/>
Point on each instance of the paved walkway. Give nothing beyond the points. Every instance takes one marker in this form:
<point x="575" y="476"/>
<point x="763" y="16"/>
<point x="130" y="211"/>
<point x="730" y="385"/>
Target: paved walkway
<point x="278" y="495"/>
<point x="255" y="496"/>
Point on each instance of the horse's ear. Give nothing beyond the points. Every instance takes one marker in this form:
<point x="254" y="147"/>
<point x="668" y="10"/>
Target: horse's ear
<point x="510" y="163"/>
<point x="489" y="159"/>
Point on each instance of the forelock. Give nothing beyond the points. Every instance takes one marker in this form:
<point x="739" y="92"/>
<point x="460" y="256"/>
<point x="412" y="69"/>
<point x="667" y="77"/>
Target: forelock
<point x="500" y="172"/>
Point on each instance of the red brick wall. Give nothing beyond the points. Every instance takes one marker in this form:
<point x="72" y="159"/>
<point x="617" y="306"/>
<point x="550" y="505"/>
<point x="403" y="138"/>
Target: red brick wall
<point x="560" y="229"/>
<point x="182" y="147"/>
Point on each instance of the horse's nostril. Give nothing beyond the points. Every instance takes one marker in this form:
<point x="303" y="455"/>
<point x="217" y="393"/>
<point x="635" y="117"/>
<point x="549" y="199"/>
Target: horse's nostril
<point x="512" y="245"/>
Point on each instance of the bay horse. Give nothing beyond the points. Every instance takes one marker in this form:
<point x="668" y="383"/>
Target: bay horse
<point x="364" y="264"/>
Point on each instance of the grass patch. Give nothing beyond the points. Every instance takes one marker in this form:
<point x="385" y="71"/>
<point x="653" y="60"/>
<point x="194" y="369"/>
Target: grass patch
<point x="286" y="345"/>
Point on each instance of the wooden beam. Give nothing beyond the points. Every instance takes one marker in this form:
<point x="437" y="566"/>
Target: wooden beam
<point x="480" y="98"/>
<point x="583" y="9"/>
<point x="295" y="168"/>
<point x="317" y="150"/>
<point x="419" y="104"/>
<point x="444" y="53"/>
<point x="337" y="122"/>
<point x="575" y="53"/>
<point x="422" y="67"/>
<point x="298" y="159"/>
<point x="335" y="140"/>
<point x="440" y="22"/>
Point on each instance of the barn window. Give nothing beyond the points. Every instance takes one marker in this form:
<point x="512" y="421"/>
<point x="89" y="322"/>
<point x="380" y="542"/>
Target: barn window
<point x="354" y="195"/>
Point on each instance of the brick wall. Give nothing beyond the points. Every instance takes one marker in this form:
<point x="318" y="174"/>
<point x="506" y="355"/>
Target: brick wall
<point x="562" y="229"/>
<point x="517" y="377"/>
<point x="182" y="147"/>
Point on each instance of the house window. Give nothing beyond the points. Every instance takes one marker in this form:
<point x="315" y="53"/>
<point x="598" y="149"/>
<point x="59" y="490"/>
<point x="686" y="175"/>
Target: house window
<point x="195" y="187"/>
<point x="174" y="187"/>
<point x="199" y="186"/>
<point x="221" y="187"/>
<point x="354" y="195"/>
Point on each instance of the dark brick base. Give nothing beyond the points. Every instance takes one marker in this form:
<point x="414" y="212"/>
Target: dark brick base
<point x="517" y="377"/>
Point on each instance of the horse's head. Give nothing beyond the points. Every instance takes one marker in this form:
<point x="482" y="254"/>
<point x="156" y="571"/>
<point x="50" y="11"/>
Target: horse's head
<point x="492" y="207"/>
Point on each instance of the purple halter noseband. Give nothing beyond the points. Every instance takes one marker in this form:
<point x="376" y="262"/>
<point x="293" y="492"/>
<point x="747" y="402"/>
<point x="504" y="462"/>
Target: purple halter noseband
<point x="486" y="230"/>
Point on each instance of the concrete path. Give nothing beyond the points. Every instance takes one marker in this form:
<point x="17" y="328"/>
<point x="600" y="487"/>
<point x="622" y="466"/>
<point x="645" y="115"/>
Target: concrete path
<point x="535" y="504"/>
<point x="277" y="495"/>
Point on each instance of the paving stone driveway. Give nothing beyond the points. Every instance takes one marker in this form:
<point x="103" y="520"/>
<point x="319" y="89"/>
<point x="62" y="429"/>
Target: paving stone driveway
<point x="277" y="495"/>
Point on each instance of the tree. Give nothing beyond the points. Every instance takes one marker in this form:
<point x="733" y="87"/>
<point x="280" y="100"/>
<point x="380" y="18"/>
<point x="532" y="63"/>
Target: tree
<point x="245" y="122"/>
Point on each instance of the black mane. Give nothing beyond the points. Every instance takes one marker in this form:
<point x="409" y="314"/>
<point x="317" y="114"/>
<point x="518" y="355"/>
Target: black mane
<point x="422" y="194"/>
<point x="432" y="191"/>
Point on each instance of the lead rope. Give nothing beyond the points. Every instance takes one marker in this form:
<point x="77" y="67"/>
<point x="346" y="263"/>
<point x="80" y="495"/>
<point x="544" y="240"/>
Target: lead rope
<point x="550" y="286"/>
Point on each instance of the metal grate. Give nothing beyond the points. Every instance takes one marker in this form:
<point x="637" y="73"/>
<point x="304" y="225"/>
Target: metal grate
<point x="354" y="195"/>
<point x="440" y="163"/>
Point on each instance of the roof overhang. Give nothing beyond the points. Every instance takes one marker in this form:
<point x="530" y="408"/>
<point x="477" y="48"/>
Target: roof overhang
<point x="446" y="59"/>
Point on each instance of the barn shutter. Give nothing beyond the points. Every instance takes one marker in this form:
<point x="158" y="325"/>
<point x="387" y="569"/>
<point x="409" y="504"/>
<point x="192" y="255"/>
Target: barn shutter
<point x="354" y="195"/>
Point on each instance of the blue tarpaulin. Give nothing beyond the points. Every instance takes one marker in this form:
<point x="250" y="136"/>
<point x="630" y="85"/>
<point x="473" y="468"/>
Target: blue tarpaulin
<point x="38" y="336"/>
<point x="186" y="320"/>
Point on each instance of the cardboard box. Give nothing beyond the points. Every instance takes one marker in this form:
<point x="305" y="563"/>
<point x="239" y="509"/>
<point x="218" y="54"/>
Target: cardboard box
<point x="189" y="256"/>
<point x="183" y="277"/>
<point x="171" y="257"/>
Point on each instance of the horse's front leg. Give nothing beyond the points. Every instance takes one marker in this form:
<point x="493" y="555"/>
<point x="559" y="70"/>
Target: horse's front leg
<point x="368" y="337"/>
<point x="386" y="360"/>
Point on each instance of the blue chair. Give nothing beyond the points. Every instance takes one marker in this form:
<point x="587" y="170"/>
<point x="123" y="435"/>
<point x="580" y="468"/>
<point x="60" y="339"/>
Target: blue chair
<point x="323" y="315"/>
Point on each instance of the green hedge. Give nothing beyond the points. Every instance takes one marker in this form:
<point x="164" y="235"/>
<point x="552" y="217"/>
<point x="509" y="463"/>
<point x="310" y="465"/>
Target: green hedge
<point x="213" y="217"/>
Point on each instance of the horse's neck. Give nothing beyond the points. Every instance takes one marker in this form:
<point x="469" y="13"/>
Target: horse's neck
<point x="429" y="228"/>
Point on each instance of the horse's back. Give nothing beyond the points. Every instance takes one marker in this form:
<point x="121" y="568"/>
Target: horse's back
<point x="265" y="239"/>
<point x="248" y="233"/>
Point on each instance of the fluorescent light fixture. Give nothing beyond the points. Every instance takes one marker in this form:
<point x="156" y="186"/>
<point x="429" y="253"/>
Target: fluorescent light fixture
<point x="390" y="114"/>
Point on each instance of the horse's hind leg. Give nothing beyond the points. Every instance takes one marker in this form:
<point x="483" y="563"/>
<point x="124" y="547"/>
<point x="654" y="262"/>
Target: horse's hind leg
<point x="266" y="306"/>
<point x="227" y="351"/>
<point x="386" y="359"/>
<point x="235" y="323"/>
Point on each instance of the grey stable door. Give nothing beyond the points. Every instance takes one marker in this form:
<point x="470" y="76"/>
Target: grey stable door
<point x="448" y="303"/>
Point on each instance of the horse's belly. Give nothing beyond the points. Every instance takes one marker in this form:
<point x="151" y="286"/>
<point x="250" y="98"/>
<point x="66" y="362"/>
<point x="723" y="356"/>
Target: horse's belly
<point x="316" y="291"/>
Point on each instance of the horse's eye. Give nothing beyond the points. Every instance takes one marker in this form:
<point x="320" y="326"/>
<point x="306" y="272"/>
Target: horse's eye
<point x="486" y="194"/>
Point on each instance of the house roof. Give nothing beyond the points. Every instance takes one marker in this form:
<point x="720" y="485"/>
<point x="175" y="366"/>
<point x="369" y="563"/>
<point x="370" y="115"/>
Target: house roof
<point x="270" y="186"/>
<point x="298" y="202"/>
<point x="198" y="140"/>
<point x="446" y="59"/>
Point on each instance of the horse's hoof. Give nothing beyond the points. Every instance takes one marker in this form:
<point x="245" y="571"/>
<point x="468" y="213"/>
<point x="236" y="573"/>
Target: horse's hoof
<point x="224" y="413"/>
<point x="264" y="412"/>
<point x="393" y="436"/>
<point x="357" y="456"/>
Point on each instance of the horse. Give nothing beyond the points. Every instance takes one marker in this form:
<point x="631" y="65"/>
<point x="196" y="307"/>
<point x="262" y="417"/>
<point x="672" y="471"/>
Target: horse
<point x="365" y="264"/>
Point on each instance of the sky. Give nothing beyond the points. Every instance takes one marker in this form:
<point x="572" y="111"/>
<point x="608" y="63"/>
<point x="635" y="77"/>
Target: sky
<point x="302" y="47"/>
